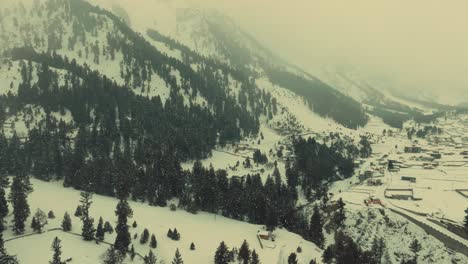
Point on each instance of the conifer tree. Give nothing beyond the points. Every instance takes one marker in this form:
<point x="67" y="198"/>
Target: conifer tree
<point x="386" y="259"/>
<point x="415" y="247"/>
<point x="327" y="256"/>
<point x="4" y="257"/>
<point x="192" y="246"/>
<point x="176" y="235"/>
<point x="39" y="221"/>
<point x="134" y="225"/>
<point x="51" y="215"/>
<point x="466" y="220"/>
<point x="377" y="249"/>
<point x="88" y="230"/>
<point x="153" y="242"/>
<point x="66" y="222"/>
<point x="144" y="236"/>
<point x="57" y="248"/>
<point x="150" y="258"/>
<point x="20" y="188"/>
<point x="244" y="252"/>
<point x="315" y="228"/>
<point x="113" y="256"/>
<point x="123" y="239"/>
<point x="132" y="252"/>
<point x="78" y="211"/>
<point x="34" y="224"/>
<point x="222" y="254"/>
<point x="292" y="259"/>
<point x="170" y="234"/>
<point x="340" y="216"/>
<point x="255" y="259"/>
<point x="3" y="202"/>
<point x="177" y="258"/>
<point x="100" y="230"/>
<point x="108" y="227"/>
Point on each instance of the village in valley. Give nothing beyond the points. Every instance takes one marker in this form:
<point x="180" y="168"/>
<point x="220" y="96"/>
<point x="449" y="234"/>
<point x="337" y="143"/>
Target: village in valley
<point x="423" y="178"/>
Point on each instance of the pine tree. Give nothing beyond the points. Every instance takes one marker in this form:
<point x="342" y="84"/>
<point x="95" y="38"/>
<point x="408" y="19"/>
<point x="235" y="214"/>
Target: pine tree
<point x="327" y="256"/>
<point x="177" y="258"/>
<point x="466" y="220"/>
<point x="170" y="234"/>
<point x="150" y="258"/>
<point x="66" y="222"/>
<point x="78" y="211"/>
<point x="100" y="230"/>
<point x="113" y="256"/>
<point x="192" y="246"/>
<point x="222" y="254"/>
<point x="57" y="248"/>
<point x="39" y="221"/>
<point x="87" y="230"/>
<point x="34" y="224"/>
<point x="134" y="225"/>
<point x="20" y="188"/>
<point x="315" y="228"/>
<point x="377" y="249"/>
<point x="415" y="247"/>
<point x="292" y="259"/>
<point x="244" y="252"/>
<point x="4" y="257"/>
<point x="340" y="216"/>
<point x="132" y="252"/>
<point x="108" y="227"/>
<point x="176" y="235"/>
<point x="387" y="259"/>
<point x="51" y="215"/>
<point x="255" y="259"/>
<point x="153" y="242"/>
<point x="123" y="239"/>
<point x="144" y="236"/>
<point x="3" y="202"/>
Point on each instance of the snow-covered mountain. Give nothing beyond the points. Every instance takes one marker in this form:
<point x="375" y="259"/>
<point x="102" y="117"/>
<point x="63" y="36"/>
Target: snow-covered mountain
<point x="170" y="104"/>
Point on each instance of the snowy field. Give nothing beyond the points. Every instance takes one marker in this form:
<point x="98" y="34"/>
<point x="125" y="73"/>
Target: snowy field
<point x="205" y="230"/>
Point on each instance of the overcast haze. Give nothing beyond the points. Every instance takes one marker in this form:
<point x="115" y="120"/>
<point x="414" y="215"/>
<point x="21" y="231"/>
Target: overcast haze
<point x="418" y="45"/>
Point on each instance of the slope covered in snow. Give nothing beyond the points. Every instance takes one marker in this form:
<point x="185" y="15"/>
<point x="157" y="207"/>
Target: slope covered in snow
<point x="205" y="230"/>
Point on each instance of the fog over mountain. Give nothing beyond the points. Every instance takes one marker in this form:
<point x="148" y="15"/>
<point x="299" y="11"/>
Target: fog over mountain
<point x="418" y="48"/>
<point x="233" y="131"/>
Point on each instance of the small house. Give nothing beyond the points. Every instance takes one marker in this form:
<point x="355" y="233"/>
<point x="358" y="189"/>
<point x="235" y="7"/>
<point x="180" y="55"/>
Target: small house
<point x="408" y="178"/>
<point x="265" y="235"/>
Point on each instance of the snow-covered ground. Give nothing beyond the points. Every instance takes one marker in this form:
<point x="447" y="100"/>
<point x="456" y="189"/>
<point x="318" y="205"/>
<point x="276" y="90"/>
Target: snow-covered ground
<point x="205" y="230"/>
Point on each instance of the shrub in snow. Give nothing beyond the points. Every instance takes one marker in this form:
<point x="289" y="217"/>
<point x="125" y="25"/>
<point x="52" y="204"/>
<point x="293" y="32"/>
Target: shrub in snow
<point x="134" y="225"/>
<point x="51" y="215"/>
<point x="299" y="250"/>
<point x="173" y="207"/>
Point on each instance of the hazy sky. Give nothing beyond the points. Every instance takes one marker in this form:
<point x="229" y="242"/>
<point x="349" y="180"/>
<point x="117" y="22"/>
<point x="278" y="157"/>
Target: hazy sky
<point x="419" y="44"/>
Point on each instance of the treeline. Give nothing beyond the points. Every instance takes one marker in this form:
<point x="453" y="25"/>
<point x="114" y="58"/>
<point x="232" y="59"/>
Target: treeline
<point x="322" y="98"/>
<point x="393" y="119"/>
<point x="316" y="164"/>
<point x="396" y="119"/>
